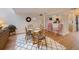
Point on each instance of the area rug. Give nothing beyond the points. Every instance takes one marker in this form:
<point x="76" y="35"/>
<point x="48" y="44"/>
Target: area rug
<point x="22" y="45"/>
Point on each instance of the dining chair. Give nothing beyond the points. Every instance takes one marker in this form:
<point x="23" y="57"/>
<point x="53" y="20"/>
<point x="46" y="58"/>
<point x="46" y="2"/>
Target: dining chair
<point x="30" y="26"/>
<point x="39" y="39"/>
<point x="34" y="37"/>
<point x="42" y="38"/>
<point x="28" y="34"/>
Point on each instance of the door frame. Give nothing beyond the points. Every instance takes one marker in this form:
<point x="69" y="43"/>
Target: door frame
<point x="77" y="27"/>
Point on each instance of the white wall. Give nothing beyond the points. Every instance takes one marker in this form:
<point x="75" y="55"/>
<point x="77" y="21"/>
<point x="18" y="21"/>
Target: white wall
<point x="66" y="18"/>
<point x="10" y="17"/>
<point x="36" y="21"/>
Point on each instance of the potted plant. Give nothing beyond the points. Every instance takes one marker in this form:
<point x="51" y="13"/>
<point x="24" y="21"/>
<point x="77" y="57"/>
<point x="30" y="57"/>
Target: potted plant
<point x="12" y="29"/>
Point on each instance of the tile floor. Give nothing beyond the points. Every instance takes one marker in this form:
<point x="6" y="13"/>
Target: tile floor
<point x="22" y="45"/>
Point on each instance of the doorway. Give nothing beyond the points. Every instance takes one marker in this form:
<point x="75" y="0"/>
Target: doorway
<point x="77" y="23"/>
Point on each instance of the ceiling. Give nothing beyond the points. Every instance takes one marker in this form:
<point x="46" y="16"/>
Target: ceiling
<point x="38" y="11"/>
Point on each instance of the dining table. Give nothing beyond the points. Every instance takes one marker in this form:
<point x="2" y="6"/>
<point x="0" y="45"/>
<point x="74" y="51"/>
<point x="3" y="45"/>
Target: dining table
<point x="37" y="30"/>
<point x="34" y="30"/>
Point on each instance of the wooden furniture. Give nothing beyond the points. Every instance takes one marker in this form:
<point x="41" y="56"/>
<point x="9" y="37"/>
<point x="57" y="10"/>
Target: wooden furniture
<point x="39" y="39"/>
<point x="37" y="36"/>
<point x="4" y="36"/>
